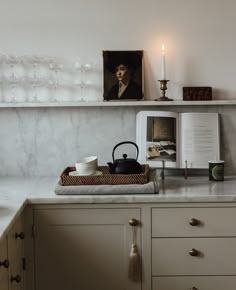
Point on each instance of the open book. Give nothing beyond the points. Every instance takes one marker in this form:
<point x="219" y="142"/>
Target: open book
<point x="177" y="138"/>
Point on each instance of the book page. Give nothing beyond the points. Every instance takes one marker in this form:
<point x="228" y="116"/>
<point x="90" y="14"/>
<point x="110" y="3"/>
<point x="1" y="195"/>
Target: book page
<point x="199" y="139"/>
<point x="157" y="138"/>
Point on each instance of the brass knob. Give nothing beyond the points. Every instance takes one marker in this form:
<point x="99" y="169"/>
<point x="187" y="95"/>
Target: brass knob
<point x="16" y="278"/>
<point x="5" y="263"/>
<point x="193" y="252"/>
<point x="20" y="236"/>
<point x="133" y="222"/>
<point x="193" y="288"/>
<point x="194" y="222"/>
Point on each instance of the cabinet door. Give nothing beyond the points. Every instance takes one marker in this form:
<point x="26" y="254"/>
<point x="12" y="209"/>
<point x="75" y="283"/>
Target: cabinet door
<point x="16" y="255"/>
<point x="84" y="249"/>
<point x="4" y="264"/>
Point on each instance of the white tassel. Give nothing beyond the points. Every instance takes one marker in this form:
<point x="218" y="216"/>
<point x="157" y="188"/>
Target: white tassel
<point x="134" y="263"/>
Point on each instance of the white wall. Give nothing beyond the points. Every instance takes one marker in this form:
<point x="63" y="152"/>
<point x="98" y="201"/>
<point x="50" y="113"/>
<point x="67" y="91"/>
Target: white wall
<point x="199" y="36"/>
<point x="200" y="41"/>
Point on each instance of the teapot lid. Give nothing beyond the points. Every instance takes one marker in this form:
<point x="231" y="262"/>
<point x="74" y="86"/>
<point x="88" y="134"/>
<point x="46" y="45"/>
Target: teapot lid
<point x="125" y="159"/>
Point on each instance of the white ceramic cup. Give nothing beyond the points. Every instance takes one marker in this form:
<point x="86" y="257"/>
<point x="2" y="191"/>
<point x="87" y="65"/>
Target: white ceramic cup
<point x="87" y="165"/>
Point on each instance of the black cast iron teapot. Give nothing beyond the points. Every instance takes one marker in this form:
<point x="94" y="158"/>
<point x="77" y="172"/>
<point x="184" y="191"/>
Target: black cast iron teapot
<point x="125" y="165"/>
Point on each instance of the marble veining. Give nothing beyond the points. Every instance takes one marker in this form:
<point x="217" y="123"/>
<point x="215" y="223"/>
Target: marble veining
<point x="43" y="141"/>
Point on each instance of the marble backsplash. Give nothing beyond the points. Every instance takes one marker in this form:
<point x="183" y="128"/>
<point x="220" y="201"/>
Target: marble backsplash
<point x="43" y="141"/>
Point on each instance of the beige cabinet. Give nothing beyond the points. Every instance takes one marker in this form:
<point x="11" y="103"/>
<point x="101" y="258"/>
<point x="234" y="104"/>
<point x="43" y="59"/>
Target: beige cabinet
<point x="188" y="246"/>
<point x="84" y="248"/>
<point x="4" y="264"/>
<point x="16" y="258"/>
<point x="193" y="248"/>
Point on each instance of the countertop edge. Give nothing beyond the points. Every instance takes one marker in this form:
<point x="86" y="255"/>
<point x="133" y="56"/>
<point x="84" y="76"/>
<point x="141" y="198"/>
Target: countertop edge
<point x="17" y="193"/>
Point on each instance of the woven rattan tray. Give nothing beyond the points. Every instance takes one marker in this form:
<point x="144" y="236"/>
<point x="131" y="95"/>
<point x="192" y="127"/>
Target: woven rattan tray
<point x="105" y="178"/>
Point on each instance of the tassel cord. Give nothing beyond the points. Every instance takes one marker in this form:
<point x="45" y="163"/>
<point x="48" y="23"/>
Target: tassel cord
<point x="134" y="258"/>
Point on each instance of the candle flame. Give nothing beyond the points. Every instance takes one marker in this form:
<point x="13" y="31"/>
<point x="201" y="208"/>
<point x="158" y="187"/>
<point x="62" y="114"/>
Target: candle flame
<point x="163" y="49"/>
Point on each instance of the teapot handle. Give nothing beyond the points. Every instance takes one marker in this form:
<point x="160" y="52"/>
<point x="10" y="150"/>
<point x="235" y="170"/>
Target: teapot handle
<point x="125" y="142"/>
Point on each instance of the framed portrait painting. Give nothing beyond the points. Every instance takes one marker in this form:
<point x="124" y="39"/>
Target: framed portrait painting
<point x="123" y="75"/>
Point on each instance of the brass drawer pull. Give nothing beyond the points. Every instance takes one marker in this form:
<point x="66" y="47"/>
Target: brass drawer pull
<point x="16" y="278"/>
<point x="193" y="288"/>
<point x="133" y="222"/>
<point x="20" y="236"/>
<point x="5" y="263"/>
<point x="194" y="222"/>
<point x="194" y="252"/>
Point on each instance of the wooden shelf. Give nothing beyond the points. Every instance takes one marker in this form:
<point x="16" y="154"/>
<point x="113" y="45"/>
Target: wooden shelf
<point x="118" y="104"/>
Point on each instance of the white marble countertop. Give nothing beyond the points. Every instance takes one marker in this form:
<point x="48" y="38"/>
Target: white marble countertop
<point x="16" y="193"/>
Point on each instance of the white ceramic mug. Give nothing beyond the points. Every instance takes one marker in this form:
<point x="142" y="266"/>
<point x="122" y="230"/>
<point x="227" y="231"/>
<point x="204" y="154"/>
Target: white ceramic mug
<point x="87" y="165"/>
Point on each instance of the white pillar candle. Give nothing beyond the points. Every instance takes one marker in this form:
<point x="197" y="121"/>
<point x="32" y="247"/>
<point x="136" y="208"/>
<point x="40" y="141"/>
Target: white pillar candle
<point x="163" y="66"/>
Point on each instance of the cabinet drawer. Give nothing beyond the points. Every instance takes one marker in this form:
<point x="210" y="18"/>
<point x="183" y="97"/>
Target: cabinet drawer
<point x="217" y="256"/>
<point x="200" y="283"/>
<point x="193" y="222"/>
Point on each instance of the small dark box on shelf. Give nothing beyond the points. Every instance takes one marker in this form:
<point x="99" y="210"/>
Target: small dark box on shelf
<point x="197" y="93"/>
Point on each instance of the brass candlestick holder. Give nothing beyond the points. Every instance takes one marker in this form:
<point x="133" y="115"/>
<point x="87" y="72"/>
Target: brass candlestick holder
<point x="163" y="88"/>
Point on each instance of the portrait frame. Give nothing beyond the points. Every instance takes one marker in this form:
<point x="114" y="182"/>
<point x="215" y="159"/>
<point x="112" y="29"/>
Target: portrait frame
<point x="123" y="75"/>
